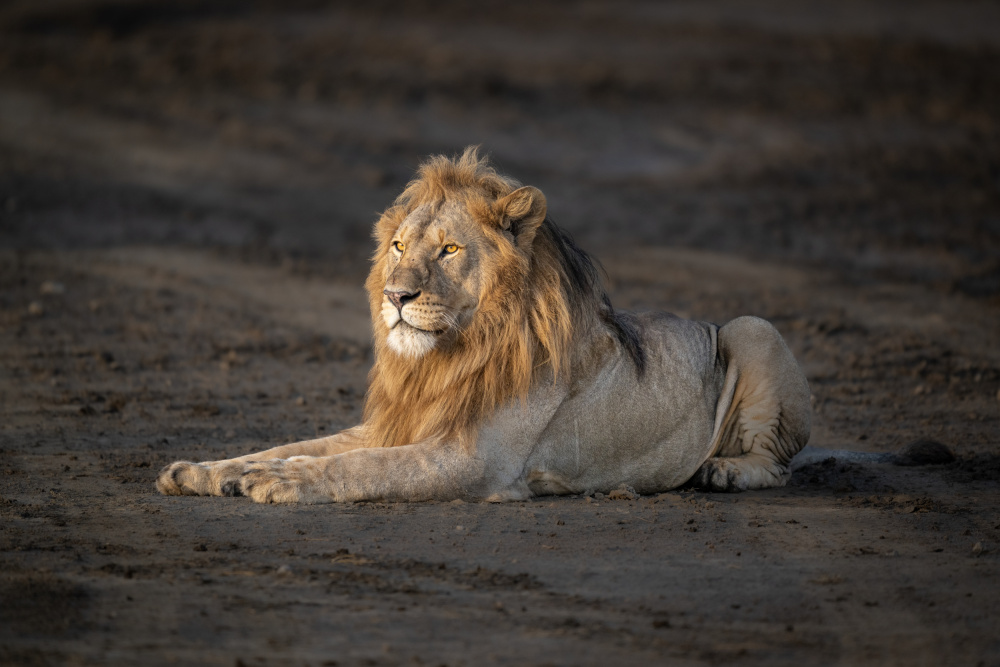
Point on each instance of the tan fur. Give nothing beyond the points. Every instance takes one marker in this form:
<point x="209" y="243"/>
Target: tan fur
<point x="525" y="318"/>
<point x="502" y="371"/>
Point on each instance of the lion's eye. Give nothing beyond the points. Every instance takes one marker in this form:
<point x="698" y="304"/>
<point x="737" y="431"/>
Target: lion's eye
<point x="450" y="249"/>
<point x="399" y="245"/>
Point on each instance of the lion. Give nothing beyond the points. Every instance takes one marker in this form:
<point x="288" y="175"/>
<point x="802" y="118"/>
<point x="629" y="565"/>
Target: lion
<point x="502" y="372"/>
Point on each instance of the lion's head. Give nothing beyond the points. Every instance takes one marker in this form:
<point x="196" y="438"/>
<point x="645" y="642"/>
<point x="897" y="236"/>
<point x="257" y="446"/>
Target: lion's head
<point x="473" y="292"/>
<point x="443" y="258"/>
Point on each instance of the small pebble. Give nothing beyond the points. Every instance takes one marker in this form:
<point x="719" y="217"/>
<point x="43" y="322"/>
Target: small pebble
<point x="52" y="287"/>
<point x="36" y="308"/>
<point x="284" y="569"/>
<point x="977" y="548"/>
<point x="623" y="493"/>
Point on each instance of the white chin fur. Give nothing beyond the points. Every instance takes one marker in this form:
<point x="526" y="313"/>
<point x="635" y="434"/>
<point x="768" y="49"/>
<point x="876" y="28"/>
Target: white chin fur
<point x="390" y="315"/>
<point x="409" y="342"/>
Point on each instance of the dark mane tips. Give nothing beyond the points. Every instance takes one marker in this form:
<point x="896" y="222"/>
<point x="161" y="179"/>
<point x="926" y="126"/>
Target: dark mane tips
<point x="584" y="275"/>
<point x="627" y="333"/>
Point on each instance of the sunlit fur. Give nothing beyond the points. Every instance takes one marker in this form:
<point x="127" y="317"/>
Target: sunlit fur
<point x="526" y="381"/>
<point x="534" y="297"/>
<point x="410" y="342"/>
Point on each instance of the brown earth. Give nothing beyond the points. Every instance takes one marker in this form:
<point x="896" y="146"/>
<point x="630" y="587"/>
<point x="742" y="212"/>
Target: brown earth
<point x="185" y="196"/>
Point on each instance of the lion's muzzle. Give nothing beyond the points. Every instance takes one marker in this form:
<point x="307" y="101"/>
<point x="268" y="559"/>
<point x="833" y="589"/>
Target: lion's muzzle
<point x="399" y="298"/>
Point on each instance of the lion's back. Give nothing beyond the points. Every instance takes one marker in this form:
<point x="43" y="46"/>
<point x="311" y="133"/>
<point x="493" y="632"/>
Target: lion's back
<point x="678" y="347"/>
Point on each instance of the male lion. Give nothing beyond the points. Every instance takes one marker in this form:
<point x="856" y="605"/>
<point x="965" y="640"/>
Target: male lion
<point x="502" y="372"/>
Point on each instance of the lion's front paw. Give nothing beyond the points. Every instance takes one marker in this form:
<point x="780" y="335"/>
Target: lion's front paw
<point x="183" y="478"/>
<point x="272" y="481"/>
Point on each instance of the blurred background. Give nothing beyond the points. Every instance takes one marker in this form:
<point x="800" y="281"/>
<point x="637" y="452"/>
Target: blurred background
<point x="186" y="196"/>
<point x="859" y="136"/>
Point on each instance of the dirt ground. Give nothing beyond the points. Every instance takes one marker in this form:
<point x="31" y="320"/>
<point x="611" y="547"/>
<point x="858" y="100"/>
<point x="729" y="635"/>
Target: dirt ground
<point x="186" y="192"/>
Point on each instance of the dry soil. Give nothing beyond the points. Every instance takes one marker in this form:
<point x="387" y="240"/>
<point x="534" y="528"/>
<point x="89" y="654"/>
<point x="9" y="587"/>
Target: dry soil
<point x="186" y="191"/>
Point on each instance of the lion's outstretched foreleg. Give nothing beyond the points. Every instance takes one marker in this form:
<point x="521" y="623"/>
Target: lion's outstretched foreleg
<point x="763" y="415"/>
<point x="424" y="471"/>
<point x="486" y="465"/>
<point x="218" y="478"/>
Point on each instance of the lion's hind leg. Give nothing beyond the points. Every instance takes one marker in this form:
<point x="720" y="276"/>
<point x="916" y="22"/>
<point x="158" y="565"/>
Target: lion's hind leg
<point x="763" y="415"/>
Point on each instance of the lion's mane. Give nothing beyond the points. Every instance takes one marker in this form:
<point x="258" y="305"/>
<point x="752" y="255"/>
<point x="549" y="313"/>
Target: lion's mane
<point x="537" y="297"/>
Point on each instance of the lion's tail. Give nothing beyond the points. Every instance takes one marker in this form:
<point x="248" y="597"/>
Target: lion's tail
<point x="917" y="453"/>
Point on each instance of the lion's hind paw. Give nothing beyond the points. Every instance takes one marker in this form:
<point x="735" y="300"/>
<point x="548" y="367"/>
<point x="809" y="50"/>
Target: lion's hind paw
<point x="719" y="475"/>
<point x="740" y="473"/>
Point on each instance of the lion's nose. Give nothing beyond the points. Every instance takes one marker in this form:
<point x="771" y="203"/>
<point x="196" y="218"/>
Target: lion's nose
<point x="400" y="297"/>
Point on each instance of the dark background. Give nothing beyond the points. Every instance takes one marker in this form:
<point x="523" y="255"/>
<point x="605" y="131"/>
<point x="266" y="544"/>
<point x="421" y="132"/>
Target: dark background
<point x="186" y="194"/>
<point x="860" y="135"/>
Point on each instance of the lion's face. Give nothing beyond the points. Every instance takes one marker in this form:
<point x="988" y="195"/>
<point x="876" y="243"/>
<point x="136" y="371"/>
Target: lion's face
<point x="460" y="319"/>
<point x="436" y="260"/>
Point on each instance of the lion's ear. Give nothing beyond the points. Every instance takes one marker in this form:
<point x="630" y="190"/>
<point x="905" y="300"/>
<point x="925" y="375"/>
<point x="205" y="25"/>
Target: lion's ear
<point x="520" y="213"/>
